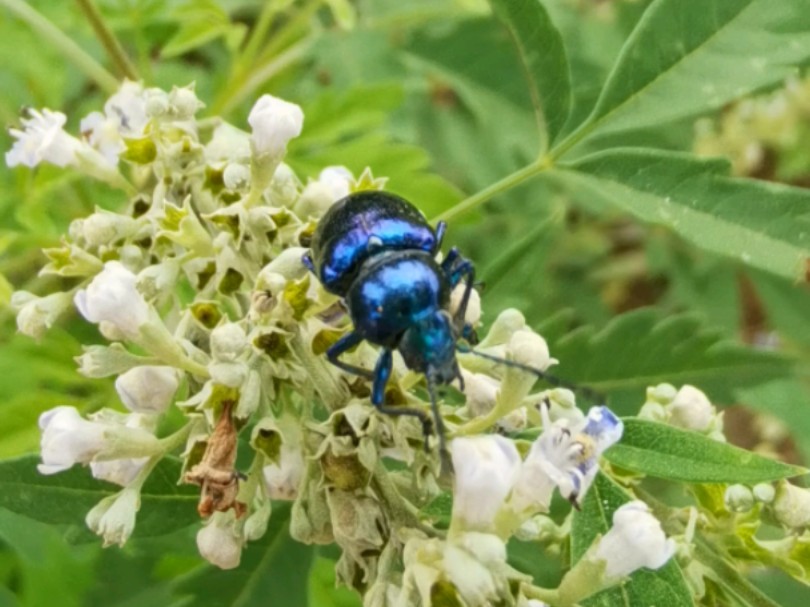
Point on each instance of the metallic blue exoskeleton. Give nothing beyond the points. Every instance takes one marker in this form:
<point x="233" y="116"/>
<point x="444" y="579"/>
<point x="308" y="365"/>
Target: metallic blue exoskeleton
<point x="377" y="252"/>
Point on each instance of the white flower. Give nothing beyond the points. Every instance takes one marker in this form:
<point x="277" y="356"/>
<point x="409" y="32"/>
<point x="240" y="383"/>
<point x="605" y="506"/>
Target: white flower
<point x="118" y="471"/>
<point x="113" y="297"/>
<point x="219" y="542"/>
<point x="332" y="184"/>
<point x="565" y="457"/>
<point x="43" y="138"/>
<point x="690" y="409"/>
<point x="36" y="315"/>
<point x="228" y="341"/>
<point x="480" y="390"/>
<point x="236" y="176"/>
<point x="283" y="478"/>
<point x="274" y="122"/>
<point x="104" y="227"/>
<point x="113" y="518"/>
<point x="738" y="498"/>
<point x="526" y="348"/>
<point x="485" y="470"/>
<point x="147" y="389"/>
<point x="68" y="438"/>
<point x="791" y="505"/>
<point x="228" y="144"/>
<point x="636" y="540"/>
<point x="184" y="103"/>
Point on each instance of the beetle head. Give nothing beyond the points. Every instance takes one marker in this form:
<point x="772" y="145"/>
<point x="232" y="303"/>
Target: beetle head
<point x="429" y="346"/>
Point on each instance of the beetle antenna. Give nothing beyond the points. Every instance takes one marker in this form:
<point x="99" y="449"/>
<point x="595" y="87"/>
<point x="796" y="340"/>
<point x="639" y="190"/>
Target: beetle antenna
<point x="585" y="391"/>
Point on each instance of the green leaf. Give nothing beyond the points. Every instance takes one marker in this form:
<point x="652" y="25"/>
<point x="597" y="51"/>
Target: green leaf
<point x="65" y="498"/>
<point x="681" y="455"/>
<point x="275" y="568"/>
<point x="48" y="567"/>
<point x="201" y="21"/>
<point x="642" y="348"/>
<point x="665" y="586"/>
<point x="542" y="55"/>
<point x="691" y="56"/>
<point x="322" y="587"/>
<point x="764" y="225"/>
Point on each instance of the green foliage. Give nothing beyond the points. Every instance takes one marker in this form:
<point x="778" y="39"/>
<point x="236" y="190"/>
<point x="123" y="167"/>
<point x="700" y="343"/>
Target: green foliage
<point x="679" y="455"/>
<point x="445" y="99"/>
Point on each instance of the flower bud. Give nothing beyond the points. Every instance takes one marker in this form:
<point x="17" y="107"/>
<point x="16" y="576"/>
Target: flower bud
<point x="791" y="505"/>
<point x="256" y="523"/>
<point x="228" y="341"/>
<point x="219" y="542"/>
<point x="764" y="493"/>
<point x="480" y="390"/>
<point x="104" y="227"/>
<point x="274" y="122"/>
<point x="184" y="103"/>
<point x="113" y="297"/>
<point x="485" y="470"/>
<point x="332" y="185"/>
<point x="36" y="315"/>
<point x="118" y="471"/>
<point x="738" y="498"/>
<point x="147" y="389"/>
<point x="113" y="518"/>
<point x="283" y="478"/>
<point x="236" y="176"/>
<point x="507" y="322"/>
<point x="662" y="393"/>
<point x="527" y="348"/>
<point x="636" y="540"/>
<point x="690" y="409"/>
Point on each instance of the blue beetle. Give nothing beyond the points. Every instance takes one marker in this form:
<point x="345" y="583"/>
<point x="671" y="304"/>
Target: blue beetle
<point x="377" y="252"/>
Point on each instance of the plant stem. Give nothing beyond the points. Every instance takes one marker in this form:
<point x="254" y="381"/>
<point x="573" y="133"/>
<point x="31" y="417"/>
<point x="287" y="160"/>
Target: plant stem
<point x="108" y="40"/>
<point x="507" y="183"/>
<point x="64" y="44"/>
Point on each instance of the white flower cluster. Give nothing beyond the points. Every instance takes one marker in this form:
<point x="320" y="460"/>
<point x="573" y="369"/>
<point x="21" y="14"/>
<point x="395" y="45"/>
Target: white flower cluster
<point x="199" y="285"/>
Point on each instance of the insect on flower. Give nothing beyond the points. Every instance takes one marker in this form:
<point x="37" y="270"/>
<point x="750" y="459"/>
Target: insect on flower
<point x="377" y="251"/>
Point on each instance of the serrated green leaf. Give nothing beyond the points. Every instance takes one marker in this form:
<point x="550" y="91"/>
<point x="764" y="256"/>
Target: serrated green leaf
<point x="275" y="566"/>
<point x="764" y="225"/>
<point x="680" y="455"/>
<point x="665" y="586"/>
<point x="690" y="56"/>
<point x="544" y="61"/>
<point x="65" y="498"/>
<point x="643" y="348"/>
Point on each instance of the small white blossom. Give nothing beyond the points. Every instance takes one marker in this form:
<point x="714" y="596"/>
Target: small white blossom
<point x="43" y="138"/>
<point x="764" y="492"/>
<point x="104" y="227"/>
<point x="118" y="471"/>
<point x="636" y="540"/>
<point x="147" y="389"/>
<point x="228" y="341"/>
<point x="113" y="297"/>
<point x="738" y="498"/>
<point x="183" y="102"/>
<point x="480" y="390"/>
<point x="35" y="315"/>
<point x="333" y="183"/>
<point x="690" y="409"/>
<point x="113" y="518"/>
<point x="228" y="144"/>
<point x="791" y="505"/>
<point x="485" y="469"/>
<point x="68" y="438"/>
<point x="124" y="116"/>
<point x="274" y="122"/>
<point x="219" y="542"/>
<point x="283" y="478"/>
<point x="565" y="457"/>
<point x="526" y="348"/>
<point x="236" y="176"/>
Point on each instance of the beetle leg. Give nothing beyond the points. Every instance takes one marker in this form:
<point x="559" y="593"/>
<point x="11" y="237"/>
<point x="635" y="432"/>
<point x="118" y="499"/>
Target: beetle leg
<point x="441" y="228"/>
<point x="344" y="344"/>
<point x="382" y="372"/>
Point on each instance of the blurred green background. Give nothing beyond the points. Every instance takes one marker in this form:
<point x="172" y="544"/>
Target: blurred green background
<point x="431" y="94"/>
